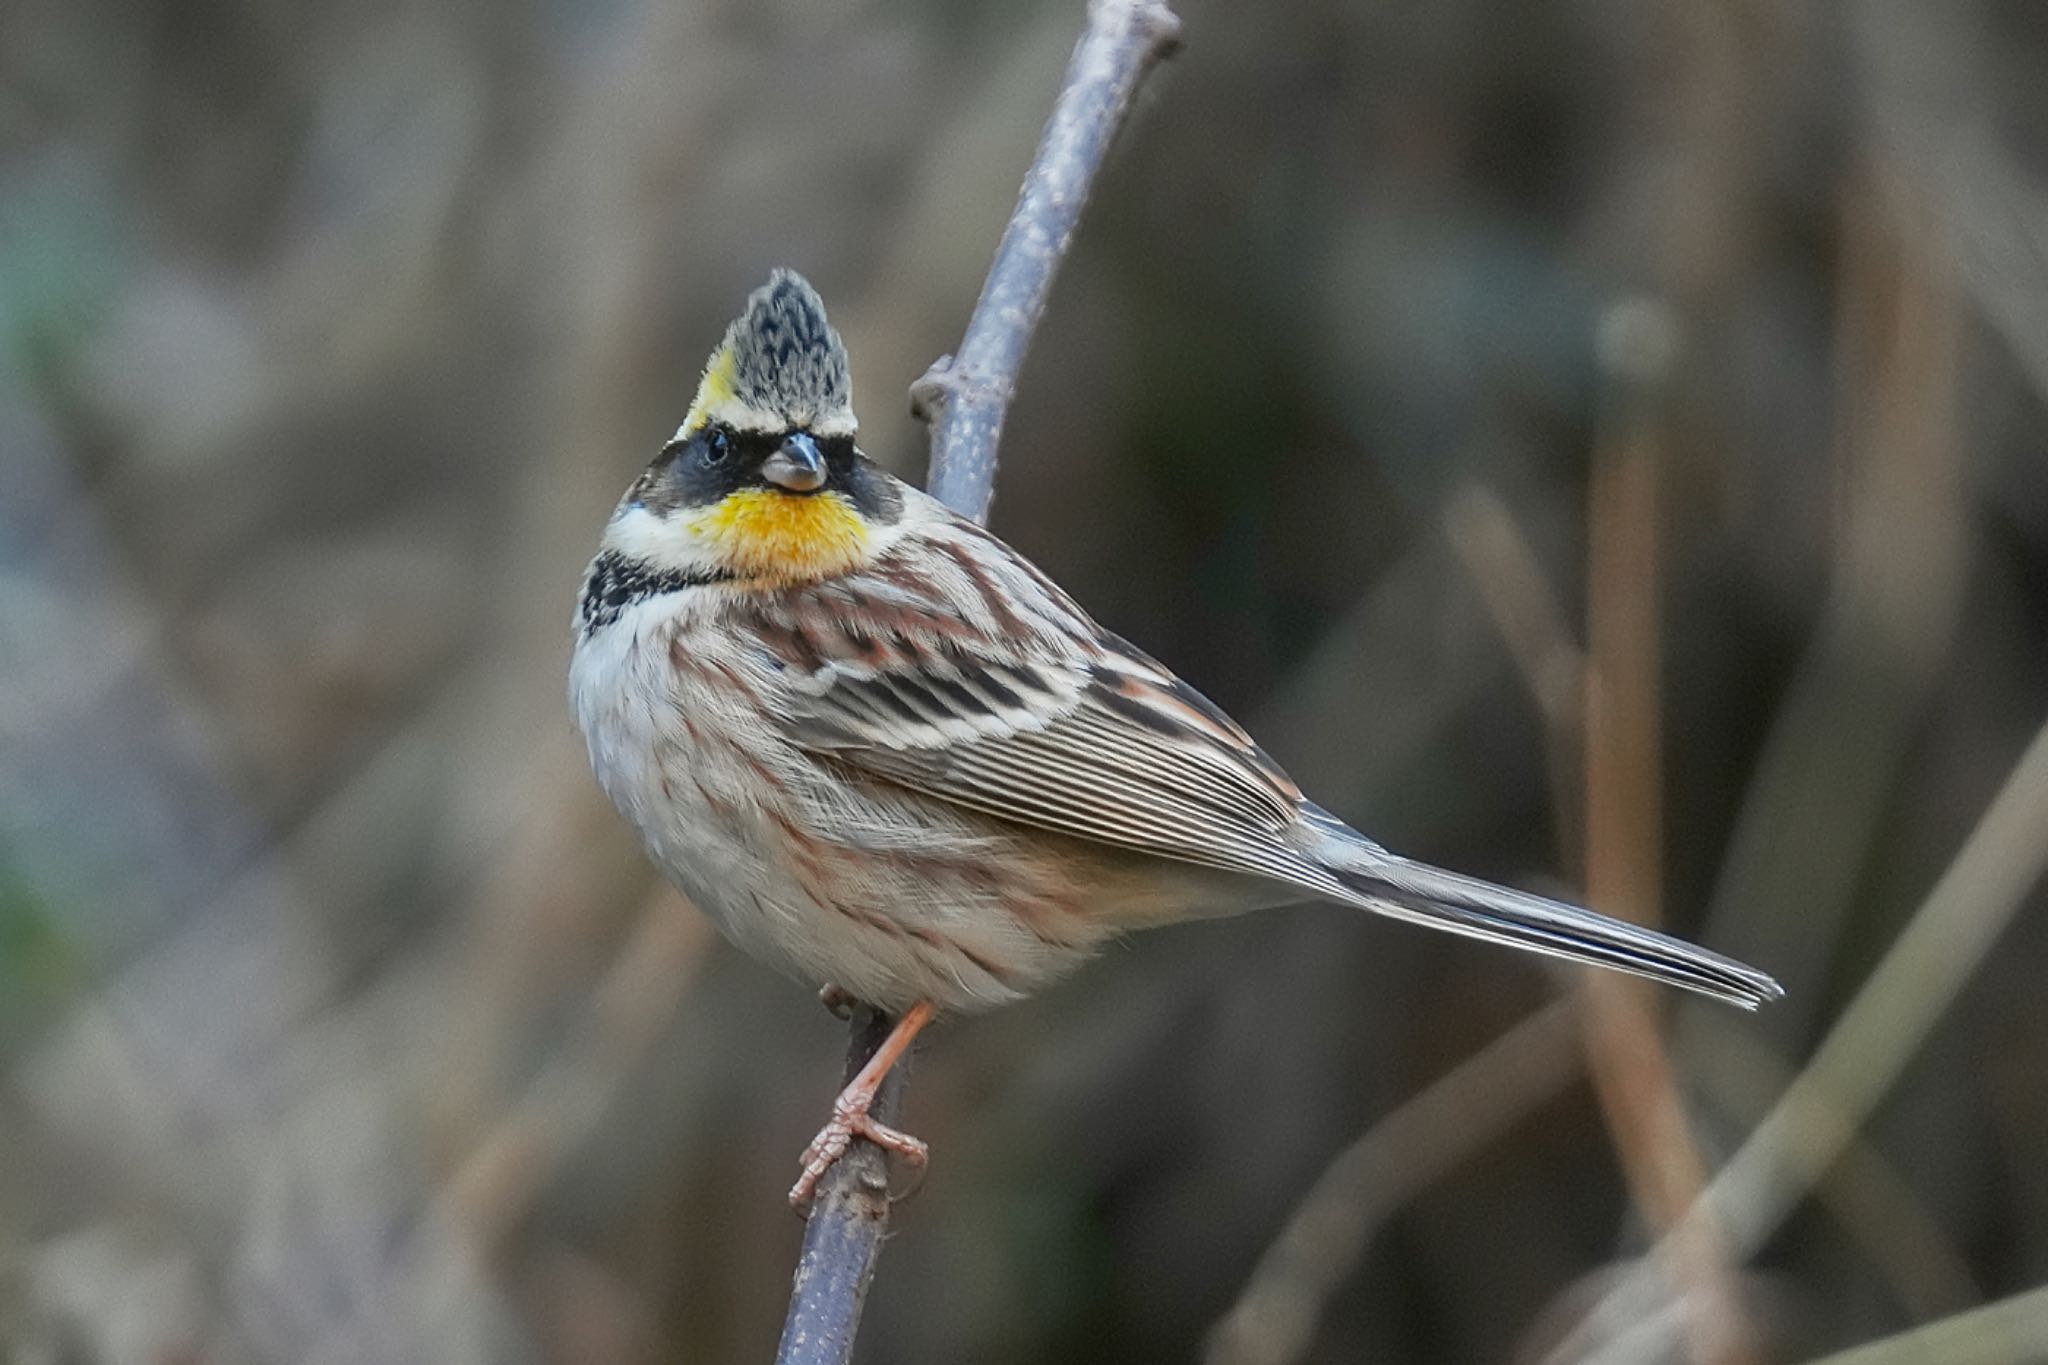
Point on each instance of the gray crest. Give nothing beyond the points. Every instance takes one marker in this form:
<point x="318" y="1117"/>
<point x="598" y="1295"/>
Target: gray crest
<point x="786" y="357"/>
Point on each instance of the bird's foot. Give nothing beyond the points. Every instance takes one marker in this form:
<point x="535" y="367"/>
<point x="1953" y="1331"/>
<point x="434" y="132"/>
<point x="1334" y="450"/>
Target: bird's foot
<point x="837" y="999"/>
<point x="850" y="1116"/>
<point x="850" y="1119"/>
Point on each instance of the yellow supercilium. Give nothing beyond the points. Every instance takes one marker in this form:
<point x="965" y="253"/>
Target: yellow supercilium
<point x="714" y="392"/>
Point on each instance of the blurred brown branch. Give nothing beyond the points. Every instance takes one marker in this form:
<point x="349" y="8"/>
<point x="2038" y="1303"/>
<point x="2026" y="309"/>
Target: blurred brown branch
<point x="1601" y="706"/>
<point x="964" y="399"/>
<point x="498" y="1182"/>
<point x="1274" y="1318"/>
<point x="1864" y="1053"/>
<point x="1625" y="1047"/>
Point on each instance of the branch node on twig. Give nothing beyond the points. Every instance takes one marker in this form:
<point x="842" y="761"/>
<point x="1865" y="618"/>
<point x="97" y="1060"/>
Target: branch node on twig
<point x="932" y="390"/>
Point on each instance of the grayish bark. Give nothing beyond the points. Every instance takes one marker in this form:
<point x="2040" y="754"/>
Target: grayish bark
<point x="963" y="398"/>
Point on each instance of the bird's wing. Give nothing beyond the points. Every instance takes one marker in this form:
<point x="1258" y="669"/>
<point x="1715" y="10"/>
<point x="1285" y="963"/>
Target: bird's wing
<point x="962" y="672"/>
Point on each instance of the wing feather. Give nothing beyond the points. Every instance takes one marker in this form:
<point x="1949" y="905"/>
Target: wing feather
<point x="1024" y="709"/>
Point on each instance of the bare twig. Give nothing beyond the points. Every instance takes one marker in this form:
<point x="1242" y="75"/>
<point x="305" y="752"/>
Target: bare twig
<point x="1274" y="1319"/>
<point x="963" y="398"/>
<point x="1863" y="1054"/>
<point x="2011" y="1330"/>
<point x="1870" y="1199"/>
<point x="1898" y="491"/>
<point x="847" y="1221"/>
<point x="1866" y="1196"/>
<point x="1625" y="1052"/>
<point x="498" y="1181"/>
<point x="1828" y="773"/>
<point x="1607" y="704"/>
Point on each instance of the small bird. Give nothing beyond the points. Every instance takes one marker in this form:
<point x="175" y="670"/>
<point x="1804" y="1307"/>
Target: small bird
<point x="886" y="754"/>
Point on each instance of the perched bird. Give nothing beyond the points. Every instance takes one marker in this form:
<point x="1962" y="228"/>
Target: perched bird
<point x="886" y="753"/>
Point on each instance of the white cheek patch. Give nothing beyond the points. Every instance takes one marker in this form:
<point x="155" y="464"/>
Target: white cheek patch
<point x="665" y="543"/>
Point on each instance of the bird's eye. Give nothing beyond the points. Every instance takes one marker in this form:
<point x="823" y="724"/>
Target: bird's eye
<point x="717" y="448"/>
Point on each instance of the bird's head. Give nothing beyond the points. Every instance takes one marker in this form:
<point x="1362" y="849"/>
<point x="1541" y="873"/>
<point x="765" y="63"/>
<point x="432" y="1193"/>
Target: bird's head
<point x="762" y="485"/>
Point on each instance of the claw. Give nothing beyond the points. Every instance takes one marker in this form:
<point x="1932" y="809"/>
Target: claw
<point x="851" y="1120"/>
<point x="850" y="1117"/>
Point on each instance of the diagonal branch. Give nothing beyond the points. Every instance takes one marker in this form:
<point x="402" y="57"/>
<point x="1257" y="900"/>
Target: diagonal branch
<point x="964" y="398"/>
<point x="1996" y="1334"/>
<point x="1862" y="1055"/>
<point x="1274" y="1319"/>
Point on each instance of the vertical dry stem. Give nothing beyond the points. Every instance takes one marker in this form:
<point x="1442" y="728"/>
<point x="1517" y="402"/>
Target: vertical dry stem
<point x="1630" y="1067"/>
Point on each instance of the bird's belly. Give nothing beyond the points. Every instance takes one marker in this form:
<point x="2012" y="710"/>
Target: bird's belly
<point x="888" y="895"/>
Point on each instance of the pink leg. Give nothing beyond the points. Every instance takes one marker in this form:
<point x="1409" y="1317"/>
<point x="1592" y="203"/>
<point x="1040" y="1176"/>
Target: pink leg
<point x="850" y="1111"/>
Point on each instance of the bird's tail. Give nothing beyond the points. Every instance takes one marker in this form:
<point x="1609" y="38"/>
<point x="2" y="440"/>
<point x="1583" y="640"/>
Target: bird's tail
<point x="1414" y="891"/>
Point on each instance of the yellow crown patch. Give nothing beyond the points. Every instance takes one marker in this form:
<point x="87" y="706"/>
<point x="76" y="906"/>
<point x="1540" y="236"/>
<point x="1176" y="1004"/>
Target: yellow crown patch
<point x="781" y="538"/>
<point x="714" y="392"/>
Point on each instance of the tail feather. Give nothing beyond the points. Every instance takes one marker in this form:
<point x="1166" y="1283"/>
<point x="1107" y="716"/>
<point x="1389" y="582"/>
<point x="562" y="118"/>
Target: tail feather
<point x="1429" y="895"/>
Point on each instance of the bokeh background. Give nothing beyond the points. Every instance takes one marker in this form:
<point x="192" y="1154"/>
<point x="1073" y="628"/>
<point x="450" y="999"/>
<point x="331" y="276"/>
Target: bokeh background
<point x="1421" y="372"/>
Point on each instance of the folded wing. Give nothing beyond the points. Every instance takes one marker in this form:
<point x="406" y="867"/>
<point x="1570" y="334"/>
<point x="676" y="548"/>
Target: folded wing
<point x="1012" y="702"/>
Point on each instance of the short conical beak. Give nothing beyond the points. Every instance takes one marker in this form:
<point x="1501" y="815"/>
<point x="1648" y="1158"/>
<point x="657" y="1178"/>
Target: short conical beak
<point x="797" y="465"/>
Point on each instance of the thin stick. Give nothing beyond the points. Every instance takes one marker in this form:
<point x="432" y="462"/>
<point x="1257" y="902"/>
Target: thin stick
<point x="2014" y="1329"/>
<point x="1866" y="1196"/>
<point x="1274" y="1319"/>
<point x="963" y="399"/>
<point x="1632" y="1073"/>
<point x="1607" y="704"/>
<point x="848" y="1217"/>
<point x="497" y="1183"/>
<point x="1863" y="1054"/>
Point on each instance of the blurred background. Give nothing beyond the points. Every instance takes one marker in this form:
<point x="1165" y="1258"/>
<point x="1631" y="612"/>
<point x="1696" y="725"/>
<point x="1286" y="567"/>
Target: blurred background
<point x="1422" y="372"/>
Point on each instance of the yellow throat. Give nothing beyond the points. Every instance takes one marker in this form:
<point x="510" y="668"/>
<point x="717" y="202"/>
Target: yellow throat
<point x="781" y="538"/>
